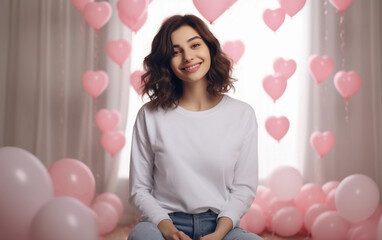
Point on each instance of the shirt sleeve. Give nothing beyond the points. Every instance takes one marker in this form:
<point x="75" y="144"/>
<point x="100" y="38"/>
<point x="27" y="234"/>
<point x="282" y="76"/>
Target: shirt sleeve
<point x="245" y="179"/>
<point x="141" y="174"/>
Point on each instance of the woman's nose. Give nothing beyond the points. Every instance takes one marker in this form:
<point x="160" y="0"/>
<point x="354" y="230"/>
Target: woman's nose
<point x="187" y="56"/>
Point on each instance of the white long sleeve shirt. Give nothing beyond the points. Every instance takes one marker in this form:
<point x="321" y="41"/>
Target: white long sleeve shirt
<point x="192" y="161"/>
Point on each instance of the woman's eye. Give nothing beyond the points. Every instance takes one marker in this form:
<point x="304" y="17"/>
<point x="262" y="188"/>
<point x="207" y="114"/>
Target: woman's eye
<point x="195" y="45"/>
<point x="176" y="52"/>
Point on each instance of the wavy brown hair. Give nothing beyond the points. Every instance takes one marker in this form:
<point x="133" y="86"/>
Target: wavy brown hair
<point x="160" y="83"/>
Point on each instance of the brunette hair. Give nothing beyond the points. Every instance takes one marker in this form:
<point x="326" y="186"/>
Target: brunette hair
<point x="159" y="82"/>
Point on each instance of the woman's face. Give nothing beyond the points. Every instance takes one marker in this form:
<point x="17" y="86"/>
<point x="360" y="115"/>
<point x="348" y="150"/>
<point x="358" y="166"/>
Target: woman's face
<point x="191" y="58"/>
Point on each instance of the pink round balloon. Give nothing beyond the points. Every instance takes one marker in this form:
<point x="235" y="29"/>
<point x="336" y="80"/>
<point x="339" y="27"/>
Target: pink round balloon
<point x="113" y="142"/>
<point x="136" y="81"/>
<point x="260" y="190"/>
<point x="328" y="186"/>
<point x="97" y="14"/>
<point x="107" y="120"/>
<point x="253" y="220"/>
<point x="80" y="4"/>
<point x="112" y="199"/>
<point x="274" y="18"/>
<point x="118" y="50"/>
<point x="329" y="226"/>
<point x="347" y="83"/>
<point x="322" y="142"/>
<point x="285" y="182"/>
<point x="309" y="194"/>
<point x="287" y="221"/>
<point x="275" y="85"/>
<point x="312" y="213"/>
<point x="25" y="186"/>
<point x="95" y="83"/>
<point x="291" y="7"/>
<point x="329" y="200"/>
<point x="275" y="205"/>
<point x="212" y="9"/>
<point x="73" y="178"/>
<point x="133" y="10"/>
<point x="357" y="197"/>
<point x="285" y="67"/>
<point x="133" y="25"/>
<point x="367" y="230"/>
<point x="277" y="127"/>
<point x="341" y="5"/>
<point x="107" y="217"/>
<point x="234" y="50"/>
<point x="64" y="218"/>
<point x="321" y="67"/>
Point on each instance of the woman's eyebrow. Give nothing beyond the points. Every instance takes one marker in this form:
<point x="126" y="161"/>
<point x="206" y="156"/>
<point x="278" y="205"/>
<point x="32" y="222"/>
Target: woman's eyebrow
<point x="189" y="40"/>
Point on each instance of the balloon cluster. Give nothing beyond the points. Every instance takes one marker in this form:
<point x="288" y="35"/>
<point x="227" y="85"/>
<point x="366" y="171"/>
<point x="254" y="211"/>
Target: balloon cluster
<point x="275" y="85"/>
<point x="348" y="209"/>
<point x="58" y="203"/>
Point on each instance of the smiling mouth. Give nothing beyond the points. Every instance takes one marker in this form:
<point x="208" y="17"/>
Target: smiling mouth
<point x="191" y="68"/>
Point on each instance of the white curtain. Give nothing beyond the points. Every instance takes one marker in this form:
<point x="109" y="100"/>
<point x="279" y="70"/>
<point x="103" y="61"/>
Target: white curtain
<point x="358" y="140"/>
<point x="46" y="46"/>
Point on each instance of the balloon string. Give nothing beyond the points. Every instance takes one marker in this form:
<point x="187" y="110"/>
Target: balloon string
<point x="96" y="58"/>
<point x="347" y="111"/>
<point x="342" y="37"/>
<point x="326" y="37"/>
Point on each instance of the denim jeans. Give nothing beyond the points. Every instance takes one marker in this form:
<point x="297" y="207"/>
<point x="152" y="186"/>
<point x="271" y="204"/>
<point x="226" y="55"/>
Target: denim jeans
<point x="194" y="225"/>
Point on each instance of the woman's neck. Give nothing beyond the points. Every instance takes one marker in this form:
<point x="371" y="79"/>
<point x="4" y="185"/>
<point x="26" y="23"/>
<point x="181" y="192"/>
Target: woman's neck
<point x="196" y="98"/>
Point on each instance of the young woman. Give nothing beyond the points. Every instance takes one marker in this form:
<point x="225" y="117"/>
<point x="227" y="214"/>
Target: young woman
<point x="193" y="170"/>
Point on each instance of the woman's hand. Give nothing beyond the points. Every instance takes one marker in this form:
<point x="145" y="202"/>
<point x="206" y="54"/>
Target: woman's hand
<point x="211" y="236"/>
<point x="223" y="227"/>
<point x="170" y="232"/>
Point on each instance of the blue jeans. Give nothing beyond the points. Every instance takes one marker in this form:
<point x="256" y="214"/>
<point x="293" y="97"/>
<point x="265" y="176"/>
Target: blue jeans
<point x="194" y="225"/>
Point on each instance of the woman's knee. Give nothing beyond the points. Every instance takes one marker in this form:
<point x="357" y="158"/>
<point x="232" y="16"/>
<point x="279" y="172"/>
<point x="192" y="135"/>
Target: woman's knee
<point x="241" y="234"/>
<point x="145" y="231"/>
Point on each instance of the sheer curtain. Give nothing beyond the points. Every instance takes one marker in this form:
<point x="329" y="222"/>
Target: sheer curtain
<point x="46" y="46"/>
<point x="358" y="140"/>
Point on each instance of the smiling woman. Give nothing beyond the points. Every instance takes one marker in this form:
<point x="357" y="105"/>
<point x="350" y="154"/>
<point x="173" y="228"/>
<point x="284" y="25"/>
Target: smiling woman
<point x="243" y="21"/>
<point x="193" y="166"/>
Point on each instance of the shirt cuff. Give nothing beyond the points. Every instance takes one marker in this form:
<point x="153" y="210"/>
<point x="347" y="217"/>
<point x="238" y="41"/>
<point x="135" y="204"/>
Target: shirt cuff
<point x="234" y="218"/>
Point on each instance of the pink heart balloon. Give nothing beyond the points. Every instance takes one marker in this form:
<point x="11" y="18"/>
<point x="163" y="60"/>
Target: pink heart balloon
<point x="322" y="142"/>
<point x="118" y="50"/>
<point x="212" y="9"/>
<point x="80" y="4"/>
<point x="277" y="127"/>
<point x="95" y="83"/>
<point x="107" y="120"/>
<point x="341" y="5"/>
<point x="275" y="85"/>
<point x="234" y="50"/>
<point x="320" y="67"/>
<point x="113" y="142"/>
<point x="274" y="18"/>
<point x="133" y="10"/>
<point x="347" y="83"/>
<point x="136" y="81"/>
<point x="97" y="14"/>
<point x="285" y="67"/>
<point x="291" y="7"/>
<point x="133" y="25"/>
